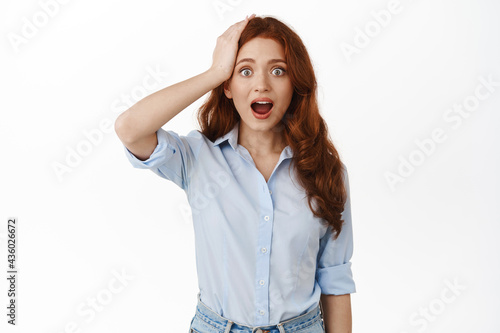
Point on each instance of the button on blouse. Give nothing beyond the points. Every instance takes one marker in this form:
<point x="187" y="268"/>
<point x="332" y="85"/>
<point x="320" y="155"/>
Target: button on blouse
<point x="262" y="257"/>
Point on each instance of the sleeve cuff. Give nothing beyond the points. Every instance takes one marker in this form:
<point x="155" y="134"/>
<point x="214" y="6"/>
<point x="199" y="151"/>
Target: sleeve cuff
<point x="336" y="280"/>
<point x="162" y="152"/>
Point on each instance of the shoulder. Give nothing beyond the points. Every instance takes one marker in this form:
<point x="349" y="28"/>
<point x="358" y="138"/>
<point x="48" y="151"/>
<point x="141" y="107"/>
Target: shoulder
<point x="192" y="137"/>
<point x="344" y="170"/>
<point x="193" y="141"/>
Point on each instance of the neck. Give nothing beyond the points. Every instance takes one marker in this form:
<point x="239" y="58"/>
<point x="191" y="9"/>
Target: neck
<point x="261" y="143"/>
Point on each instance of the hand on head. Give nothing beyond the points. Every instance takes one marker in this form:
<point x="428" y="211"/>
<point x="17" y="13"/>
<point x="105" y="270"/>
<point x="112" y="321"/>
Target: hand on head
<point x="226" y="49"/>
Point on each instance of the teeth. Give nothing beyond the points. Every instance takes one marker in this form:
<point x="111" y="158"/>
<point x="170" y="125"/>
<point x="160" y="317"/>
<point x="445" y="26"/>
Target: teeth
<point x="259" y="102"/>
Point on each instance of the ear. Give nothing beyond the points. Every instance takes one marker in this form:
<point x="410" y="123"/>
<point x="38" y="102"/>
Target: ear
<point x="227" y="90"/>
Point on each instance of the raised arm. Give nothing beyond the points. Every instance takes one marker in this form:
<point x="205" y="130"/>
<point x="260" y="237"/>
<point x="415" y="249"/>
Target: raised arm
<point x="137" y="126"/>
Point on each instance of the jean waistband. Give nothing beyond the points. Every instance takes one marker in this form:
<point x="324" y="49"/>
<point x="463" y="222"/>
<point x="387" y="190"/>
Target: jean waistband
<point x="285" y="326"/>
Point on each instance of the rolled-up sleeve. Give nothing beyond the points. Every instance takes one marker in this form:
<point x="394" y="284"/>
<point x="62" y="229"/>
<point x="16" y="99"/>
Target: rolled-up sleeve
<point x="334" y="274"/>
<point x="173" y="157"/>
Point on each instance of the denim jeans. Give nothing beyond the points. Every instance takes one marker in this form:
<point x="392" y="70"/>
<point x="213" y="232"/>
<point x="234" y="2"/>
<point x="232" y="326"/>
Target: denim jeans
<point x="207" y="321"/>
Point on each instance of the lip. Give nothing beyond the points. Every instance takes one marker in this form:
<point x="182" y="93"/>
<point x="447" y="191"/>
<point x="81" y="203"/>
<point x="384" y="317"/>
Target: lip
<point x="262" y="99"/>
<point x="259" y="115"/>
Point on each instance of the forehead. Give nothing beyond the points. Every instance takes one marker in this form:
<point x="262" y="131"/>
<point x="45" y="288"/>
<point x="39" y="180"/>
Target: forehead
<point x="259" y="47"/>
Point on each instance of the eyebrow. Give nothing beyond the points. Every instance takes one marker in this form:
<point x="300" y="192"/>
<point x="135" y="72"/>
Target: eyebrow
<point x="272" y="61"/>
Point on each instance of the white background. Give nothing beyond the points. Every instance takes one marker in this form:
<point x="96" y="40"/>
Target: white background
<point x="101" y="217"/>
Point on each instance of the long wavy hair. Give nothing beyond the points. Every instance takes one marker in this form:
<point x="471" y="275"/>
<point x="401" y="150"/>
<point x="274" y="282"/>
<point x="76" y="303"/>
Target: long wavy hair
<point x="317" y="162"/>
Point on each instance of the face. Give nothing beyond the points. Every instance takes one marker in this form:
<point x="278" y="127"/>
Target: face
<point x="260" y="74"/>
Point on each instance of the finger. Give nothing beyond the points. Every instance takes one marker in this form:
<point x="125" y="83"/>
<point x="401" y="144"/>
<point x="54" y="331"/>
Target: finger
<point x="236" y="28"/>
<point x="238" y="25"/>
<point x="242" y="24"/>
<point x="245" y="21"/>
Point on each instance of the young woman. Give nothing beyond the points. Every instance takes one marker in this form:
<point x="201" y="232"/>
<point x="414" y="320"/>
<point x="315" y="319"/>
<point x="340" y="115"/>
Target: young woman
<point x="268" y="191"/>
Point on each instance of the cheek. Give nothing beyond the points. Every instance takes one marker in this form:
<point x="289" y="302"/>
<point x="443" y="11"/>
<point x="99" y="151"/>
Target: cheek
<point x="239" y="96"/>
<point x="239" y="99"/>
<point x="286" y="88"/>
<point x="286" y="94"/>
<point x="238" y="87"/>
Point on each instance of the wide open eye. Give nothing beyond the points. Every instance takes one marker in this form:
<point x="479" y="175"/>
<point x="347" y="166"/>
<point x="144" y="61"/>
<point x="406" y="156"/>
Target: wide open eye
<point x="279" y="71"/>
<point x="245" y="71"/>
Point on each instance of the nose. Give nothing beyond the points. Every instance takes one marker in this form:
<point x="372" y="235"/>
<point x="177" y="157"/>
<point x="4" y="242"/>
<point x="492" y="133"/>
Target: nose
<point x="262" y="82"/>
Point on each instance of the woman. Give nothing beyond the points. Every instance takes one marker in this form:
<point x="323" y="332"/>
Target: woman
<point x="268" y="192"/>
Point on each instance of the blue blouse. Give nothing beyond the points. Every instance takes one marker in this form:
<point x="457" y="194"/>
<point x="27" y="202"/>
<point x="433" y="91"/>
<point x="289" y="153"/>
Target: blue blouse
<point x="262" y="257"/>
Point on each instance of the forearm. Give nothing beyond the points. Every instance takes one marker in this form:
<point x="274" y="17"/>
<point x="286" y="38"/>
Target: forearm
<point x="152" y="112"/>
<point x="337" y="313"/>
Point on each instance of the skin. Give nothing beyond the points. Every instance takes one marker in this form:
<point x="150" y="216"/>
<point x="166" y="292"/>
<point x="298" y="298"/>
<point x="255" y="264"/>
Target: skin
<point x="263" y="138"/>
<point x="257" y="75"/>
<point x="137" y="126"/>
<point x="337" y="313"/>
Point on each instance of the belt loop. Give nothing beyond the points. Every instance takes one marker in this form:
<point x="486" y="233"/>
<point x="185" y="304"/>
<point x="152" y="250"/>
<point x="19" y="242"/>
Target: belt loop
<point x="280" y="327"/>
<point x="228" y="326"/>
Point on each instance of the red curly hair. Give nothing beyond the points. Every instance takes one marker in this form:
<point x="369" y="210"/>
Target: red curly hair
<point x="319" y="168"/>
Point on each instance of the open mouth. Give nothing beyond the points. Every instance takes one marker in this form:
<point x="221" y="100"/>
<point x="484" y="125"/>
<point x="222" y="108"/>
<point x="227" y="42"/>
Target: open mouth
<point x="262" y="107"/>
